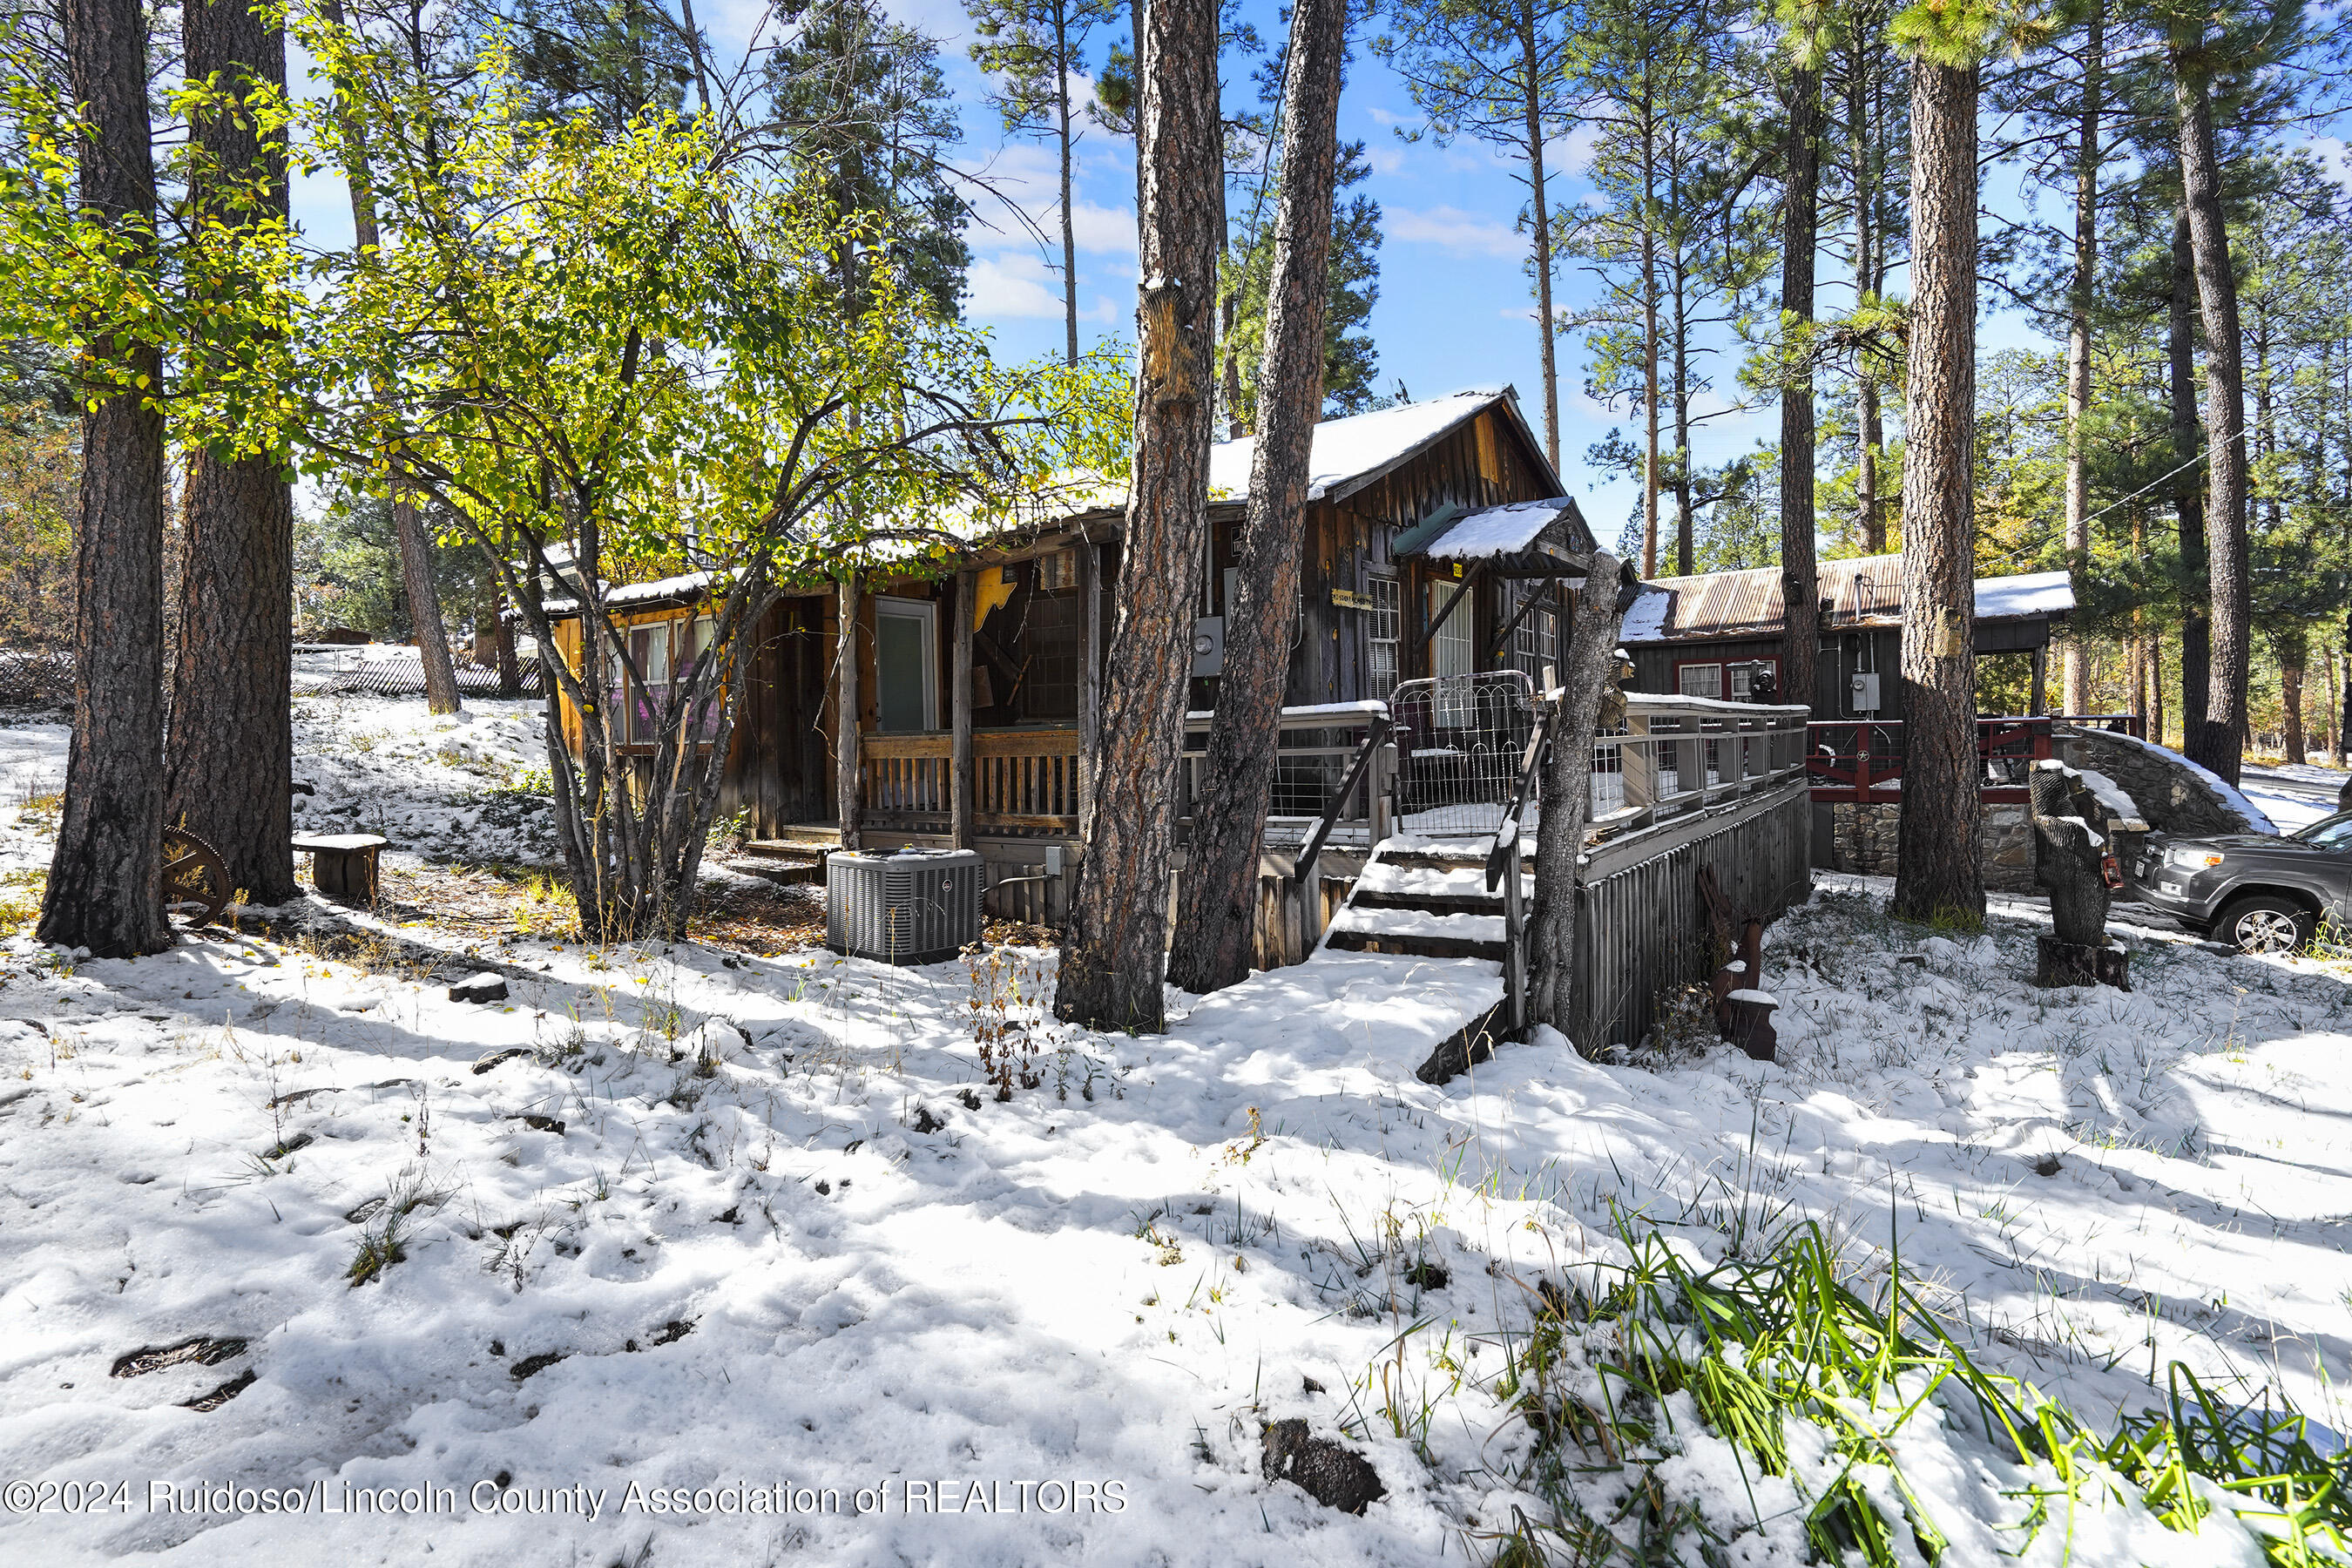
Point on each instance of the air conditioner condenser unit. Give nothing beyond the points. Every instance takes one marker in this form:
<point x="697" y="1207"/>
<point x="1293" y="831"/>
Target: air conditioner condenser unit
<point x="915" y="907"/>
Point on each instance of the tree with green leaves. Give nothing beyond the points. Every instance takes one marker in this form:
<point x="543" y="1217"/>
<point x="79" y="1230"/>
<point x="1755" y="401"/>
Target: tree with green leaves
<point x="1034" y="50"/>
<point x="619" y="357"/>
<point x="1496" y="71"/>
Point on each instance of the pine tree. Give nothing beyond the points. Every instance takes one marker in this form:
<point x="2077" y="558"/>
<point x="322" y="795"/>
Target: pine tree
<point x="863" y="98"/>
<point x="1035" y="49"/>
<point x="1496" y="71"/>
<point x="104" y="890"/>
<point x="1353" y="271"/>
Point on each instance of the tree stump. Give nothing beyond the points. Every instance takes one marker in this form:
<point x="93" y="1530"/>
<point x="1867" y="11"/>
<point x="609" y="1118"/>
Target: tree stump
<point x="342" y="864"/>
<point x="2074" y="964"/>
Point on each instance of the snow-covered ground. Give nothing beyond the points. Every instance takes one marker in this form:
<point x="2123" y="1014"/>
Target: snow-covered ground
<point x="834" y="1259"/>
<point x="2293" y="796"/>
<point x="438" y="788"/>
<point x="682" y="1218"/>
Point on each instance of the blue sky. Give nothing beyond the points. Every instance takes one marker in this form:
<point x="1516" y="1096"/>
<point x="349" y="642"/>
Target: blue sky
<point x="1454" y="308"/>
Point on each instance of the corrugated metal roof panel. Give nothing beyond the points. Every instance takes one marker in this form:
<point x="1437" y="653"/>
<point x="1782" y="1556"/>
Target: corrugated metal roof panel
<point x="1862" y="591"/>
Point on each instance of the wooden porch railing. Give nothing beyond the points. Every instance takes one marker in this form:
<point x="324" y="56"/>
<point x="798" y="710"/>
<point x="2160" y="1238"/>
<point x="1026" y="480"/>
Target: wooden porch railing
<point x="1025" y="779"/>
<point x="1679" y="754"/>
<point x="1860" y="761"/>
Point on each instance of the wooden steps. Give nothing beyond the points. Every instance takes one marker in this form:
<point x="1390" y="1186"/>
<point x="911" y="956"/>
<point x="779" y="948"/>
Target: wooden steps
<point x="1425" y="901"/>
<point x="798" y="856"/>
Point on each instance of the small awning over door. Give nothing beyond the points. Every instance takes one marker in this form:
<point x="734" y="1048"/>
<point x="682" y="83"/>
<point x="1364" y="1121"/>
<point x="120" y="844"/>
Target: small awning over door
<point x="1520" y="539"/>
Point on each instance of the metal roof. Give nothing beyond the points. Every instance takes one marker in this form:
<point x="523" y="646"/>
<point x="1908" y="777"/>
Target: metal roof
<point x="1862" y="591"/>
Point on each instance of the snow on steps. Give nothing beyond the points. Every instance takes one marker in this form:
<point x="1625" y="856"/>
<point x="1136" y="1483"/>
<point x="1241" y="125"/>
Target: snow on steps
<point x="1427" y="899"/>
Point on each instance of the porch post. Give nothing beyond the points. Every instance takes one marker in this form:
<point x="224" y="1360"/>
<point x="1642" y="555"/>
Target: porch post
<point x="2041" y="669"/>
<point x="845" y="708"/>
<point x="1638" y="756"/>
<point x="967" y="589"/>
<point x="1089" y="677"/>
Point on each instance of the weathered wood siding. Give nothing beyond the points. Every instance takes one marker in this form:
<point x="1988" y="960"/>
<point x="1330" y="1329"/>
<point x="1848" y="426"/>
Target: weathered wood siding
<point x="1640" y="925"/>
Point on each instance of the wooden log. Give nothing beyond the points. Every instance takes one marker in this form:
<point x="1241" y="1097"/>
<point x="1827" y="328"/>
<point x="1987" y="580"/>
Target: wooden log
<point x="2058" y="962"/>
<point x="959" y="783"/>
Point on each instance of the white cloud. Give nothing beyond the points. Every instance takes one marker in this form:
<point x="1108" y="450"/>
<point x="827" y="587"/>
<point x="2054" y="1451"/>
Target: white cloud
<point x="1383" y="158"/>
<point x="1107" y="231"/>
<point x="1464" y="234"/>
<point x="2334" y="156"/>
<point x="1010" y="284"/>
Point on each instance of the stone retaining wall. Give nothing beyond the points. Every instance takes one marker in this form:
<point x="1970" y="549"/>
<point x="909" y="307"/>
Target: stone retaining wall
<point x="1862" y="840"/>
<point x="2171" y="794"/>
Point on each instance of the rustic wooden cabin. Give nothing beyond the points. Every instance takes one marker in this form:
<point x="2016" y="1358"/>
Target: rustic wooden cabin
<point x="1706" y="636"/>
<point x="973" y="691"/>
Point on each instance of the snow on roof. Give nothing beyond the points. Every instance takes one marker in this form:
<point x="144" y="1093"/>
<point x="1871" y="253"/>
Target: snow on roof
<point x="1358" y="447"/>
<point x="1498" y="529"/>
<point x="1645" y="618"/>
<point x="2029" y="593"/>
<point x="1862" y="591"/>
<point x="685" y="585"/>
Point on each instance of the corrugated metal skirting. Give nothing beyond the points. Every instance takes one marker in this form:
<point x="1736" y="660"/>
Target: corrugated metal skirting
<point x="1642" y="930"/>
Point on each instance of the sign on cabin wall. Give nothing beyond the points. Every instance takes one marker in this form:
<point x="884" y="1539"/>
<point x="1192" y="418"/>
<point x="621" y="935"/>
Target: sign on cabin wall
<point x="1348" y="599"/>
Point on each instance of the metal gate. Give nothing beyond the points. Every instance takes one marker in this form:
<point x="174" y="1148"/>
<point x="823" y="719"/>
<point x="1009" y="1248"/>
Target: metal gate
<point x="1460" y="742"/>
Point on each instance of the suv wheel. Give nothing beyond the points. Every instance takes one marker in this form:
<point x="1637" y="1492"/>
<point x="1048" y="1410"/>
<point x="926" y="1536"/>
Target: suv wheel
<point x="2265" y="923"/>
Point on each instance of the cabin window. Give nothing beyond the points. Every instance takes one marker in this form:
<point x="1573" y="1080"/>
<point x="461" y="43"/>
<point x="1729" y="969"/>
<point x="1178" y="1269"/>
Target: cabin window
<point x="1449" y="649"/>
<point x="1051" y="641"/>
<point x="1380" y="615"/>
<point x="1731" y="680"/>
<point x="699" y="633"/>
<point x="906" y="666"/>
<point x="662" y="651"/>
<point x="1535" y="641"/>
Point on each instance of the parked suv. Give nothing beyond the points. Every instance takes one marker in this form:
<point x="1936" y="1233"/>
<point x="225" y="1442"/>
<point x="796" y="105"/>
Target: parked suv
<point x="2262" y="892"/>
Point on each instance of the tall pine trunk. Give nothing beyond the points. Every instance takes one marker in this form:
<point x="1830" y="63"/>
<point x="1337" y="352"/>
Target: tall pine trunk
<point x="1217" y="921"/>
<point x="2188" y="490"/>
<point x="1116" y="949"/>
<point x="2293" y="652"/>
<point x="105" y="888"/>
<point x="1650" y="478"/>
<point x="1532" y="68"/>
<point x="1800" y="225"/>
<point x="1940" y="857"/>
<point x="1869" y="438"/>
<point x="2219" y="742"/>
<point x="1069" y="229"/>
<point x="2078" y="343"/>
<point x="231" y="747"/>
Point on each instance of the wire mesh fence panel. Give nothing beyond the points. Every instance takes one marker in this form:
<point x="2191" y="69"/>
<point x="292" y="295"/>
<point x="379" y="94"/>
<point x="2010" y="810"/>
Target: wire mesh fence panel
<point x="405" y="677"/>
<point x="1460" y="740"/>
<point x="1310" y="763"/>
<point x="36" y="677"/>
